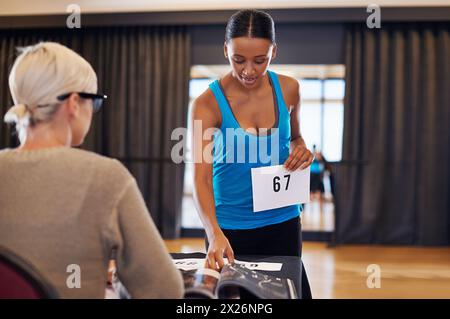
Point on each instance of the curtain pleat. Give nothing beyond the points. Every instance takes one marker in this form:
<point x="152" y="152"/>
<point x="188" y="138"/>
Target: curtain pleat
<point x="393" y="183"/>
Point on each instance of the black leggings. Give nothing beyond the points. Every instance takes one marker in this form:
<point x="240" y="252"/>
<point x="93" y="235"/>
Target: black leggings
<point x="284" y="239"/>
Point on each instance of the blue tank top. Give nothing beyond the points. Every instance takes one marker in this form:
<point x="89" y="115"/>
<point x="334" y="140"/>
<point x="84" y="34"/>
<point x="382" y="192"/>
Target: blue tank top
<point x="236" y="152"/>
<point x="316" y="167"/>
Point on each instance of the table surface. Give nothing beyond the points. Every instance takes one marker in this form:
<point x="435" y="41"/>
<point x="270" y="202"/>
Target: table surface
<point x="292" y="265"/>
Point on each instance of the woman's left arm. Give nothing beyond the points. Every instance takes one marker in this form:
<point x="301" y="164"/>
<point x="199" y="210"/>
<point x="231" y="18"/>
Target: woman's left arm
<point x="300" y="157"/>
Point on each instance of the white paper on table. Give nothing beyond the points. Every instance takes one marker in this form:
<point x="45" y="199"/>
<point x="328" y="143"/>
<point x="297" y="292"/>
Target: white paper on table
<point x="196" y="263"/>
<point x="260" y="265"/>
<point x="275" y="187"/>
<point x="189" y="263"/>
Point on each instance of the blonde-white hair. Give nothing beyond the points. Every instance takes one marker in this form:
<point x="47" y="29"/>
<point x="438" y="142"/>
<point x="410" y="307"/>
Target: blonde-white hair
<point x="41" y="73"/>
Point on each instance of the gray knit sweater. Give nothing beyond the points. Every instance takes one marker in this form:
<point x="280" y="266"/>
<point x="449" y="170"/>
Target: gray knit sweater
<point x="63" y="206"/>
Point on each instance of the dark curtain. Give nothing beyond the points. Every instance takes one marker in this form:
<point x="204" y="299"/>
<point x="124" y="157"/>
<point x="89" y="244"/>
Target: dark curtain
<point x="145" y="73"/>
<point x="394" y="181"/>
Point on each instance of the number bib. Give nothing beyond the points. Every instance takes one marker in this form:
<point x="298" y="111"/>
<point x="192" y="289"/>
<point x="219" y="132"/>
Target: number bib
<point x="275" y="187"/>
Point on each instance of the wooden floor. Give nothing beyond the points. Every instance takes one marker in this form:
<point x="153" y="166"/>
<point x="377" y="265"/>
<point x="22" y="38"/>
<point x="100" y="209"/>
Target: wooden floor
<point x="341" y="272"/>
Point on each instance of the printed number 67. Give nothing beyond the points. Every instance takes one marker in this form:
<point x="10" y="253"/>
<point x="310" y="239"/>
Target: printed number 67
<point x="277" y="184"/>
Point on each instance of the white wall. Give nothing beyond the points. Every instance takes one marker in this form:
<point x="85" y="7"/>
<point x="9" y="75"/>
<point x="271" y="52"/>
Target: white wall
<point x="33" y="7"/>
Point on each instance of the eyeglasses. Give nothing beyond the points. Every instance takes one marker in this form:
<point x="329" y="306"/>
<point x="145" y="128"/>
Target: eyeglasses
<point x="97" y="99"/>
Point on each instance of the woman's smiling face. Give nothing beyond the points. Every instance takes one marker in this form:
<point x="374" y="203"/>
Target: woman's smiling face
<point x="249" y="58"/>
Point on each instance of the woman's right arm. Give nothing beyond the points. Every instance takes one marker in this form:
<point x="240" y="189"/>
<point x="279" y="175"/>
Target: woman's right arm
<point x="204" y="121"/>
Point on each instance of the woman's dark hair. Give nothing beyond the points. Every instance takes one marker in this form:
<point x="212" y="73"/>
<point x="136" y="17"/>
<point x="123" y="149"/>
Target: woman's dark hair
<point x="250" y="23"/>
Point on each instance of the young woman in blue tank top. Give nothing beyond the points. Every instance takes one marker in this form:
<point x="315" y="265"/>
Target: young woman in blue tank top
<point x="259" y="107"/>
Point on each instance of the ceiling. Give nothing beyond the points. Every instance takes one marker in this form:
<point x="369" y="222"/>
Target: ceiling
<point x="38" y="7"/>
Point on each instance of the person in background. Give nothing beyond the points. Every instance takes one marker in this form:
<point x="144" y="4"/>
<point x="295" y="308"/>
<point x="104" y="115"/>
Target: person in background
<point x="63" y="208"/>
<point x="316" y="178"/>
